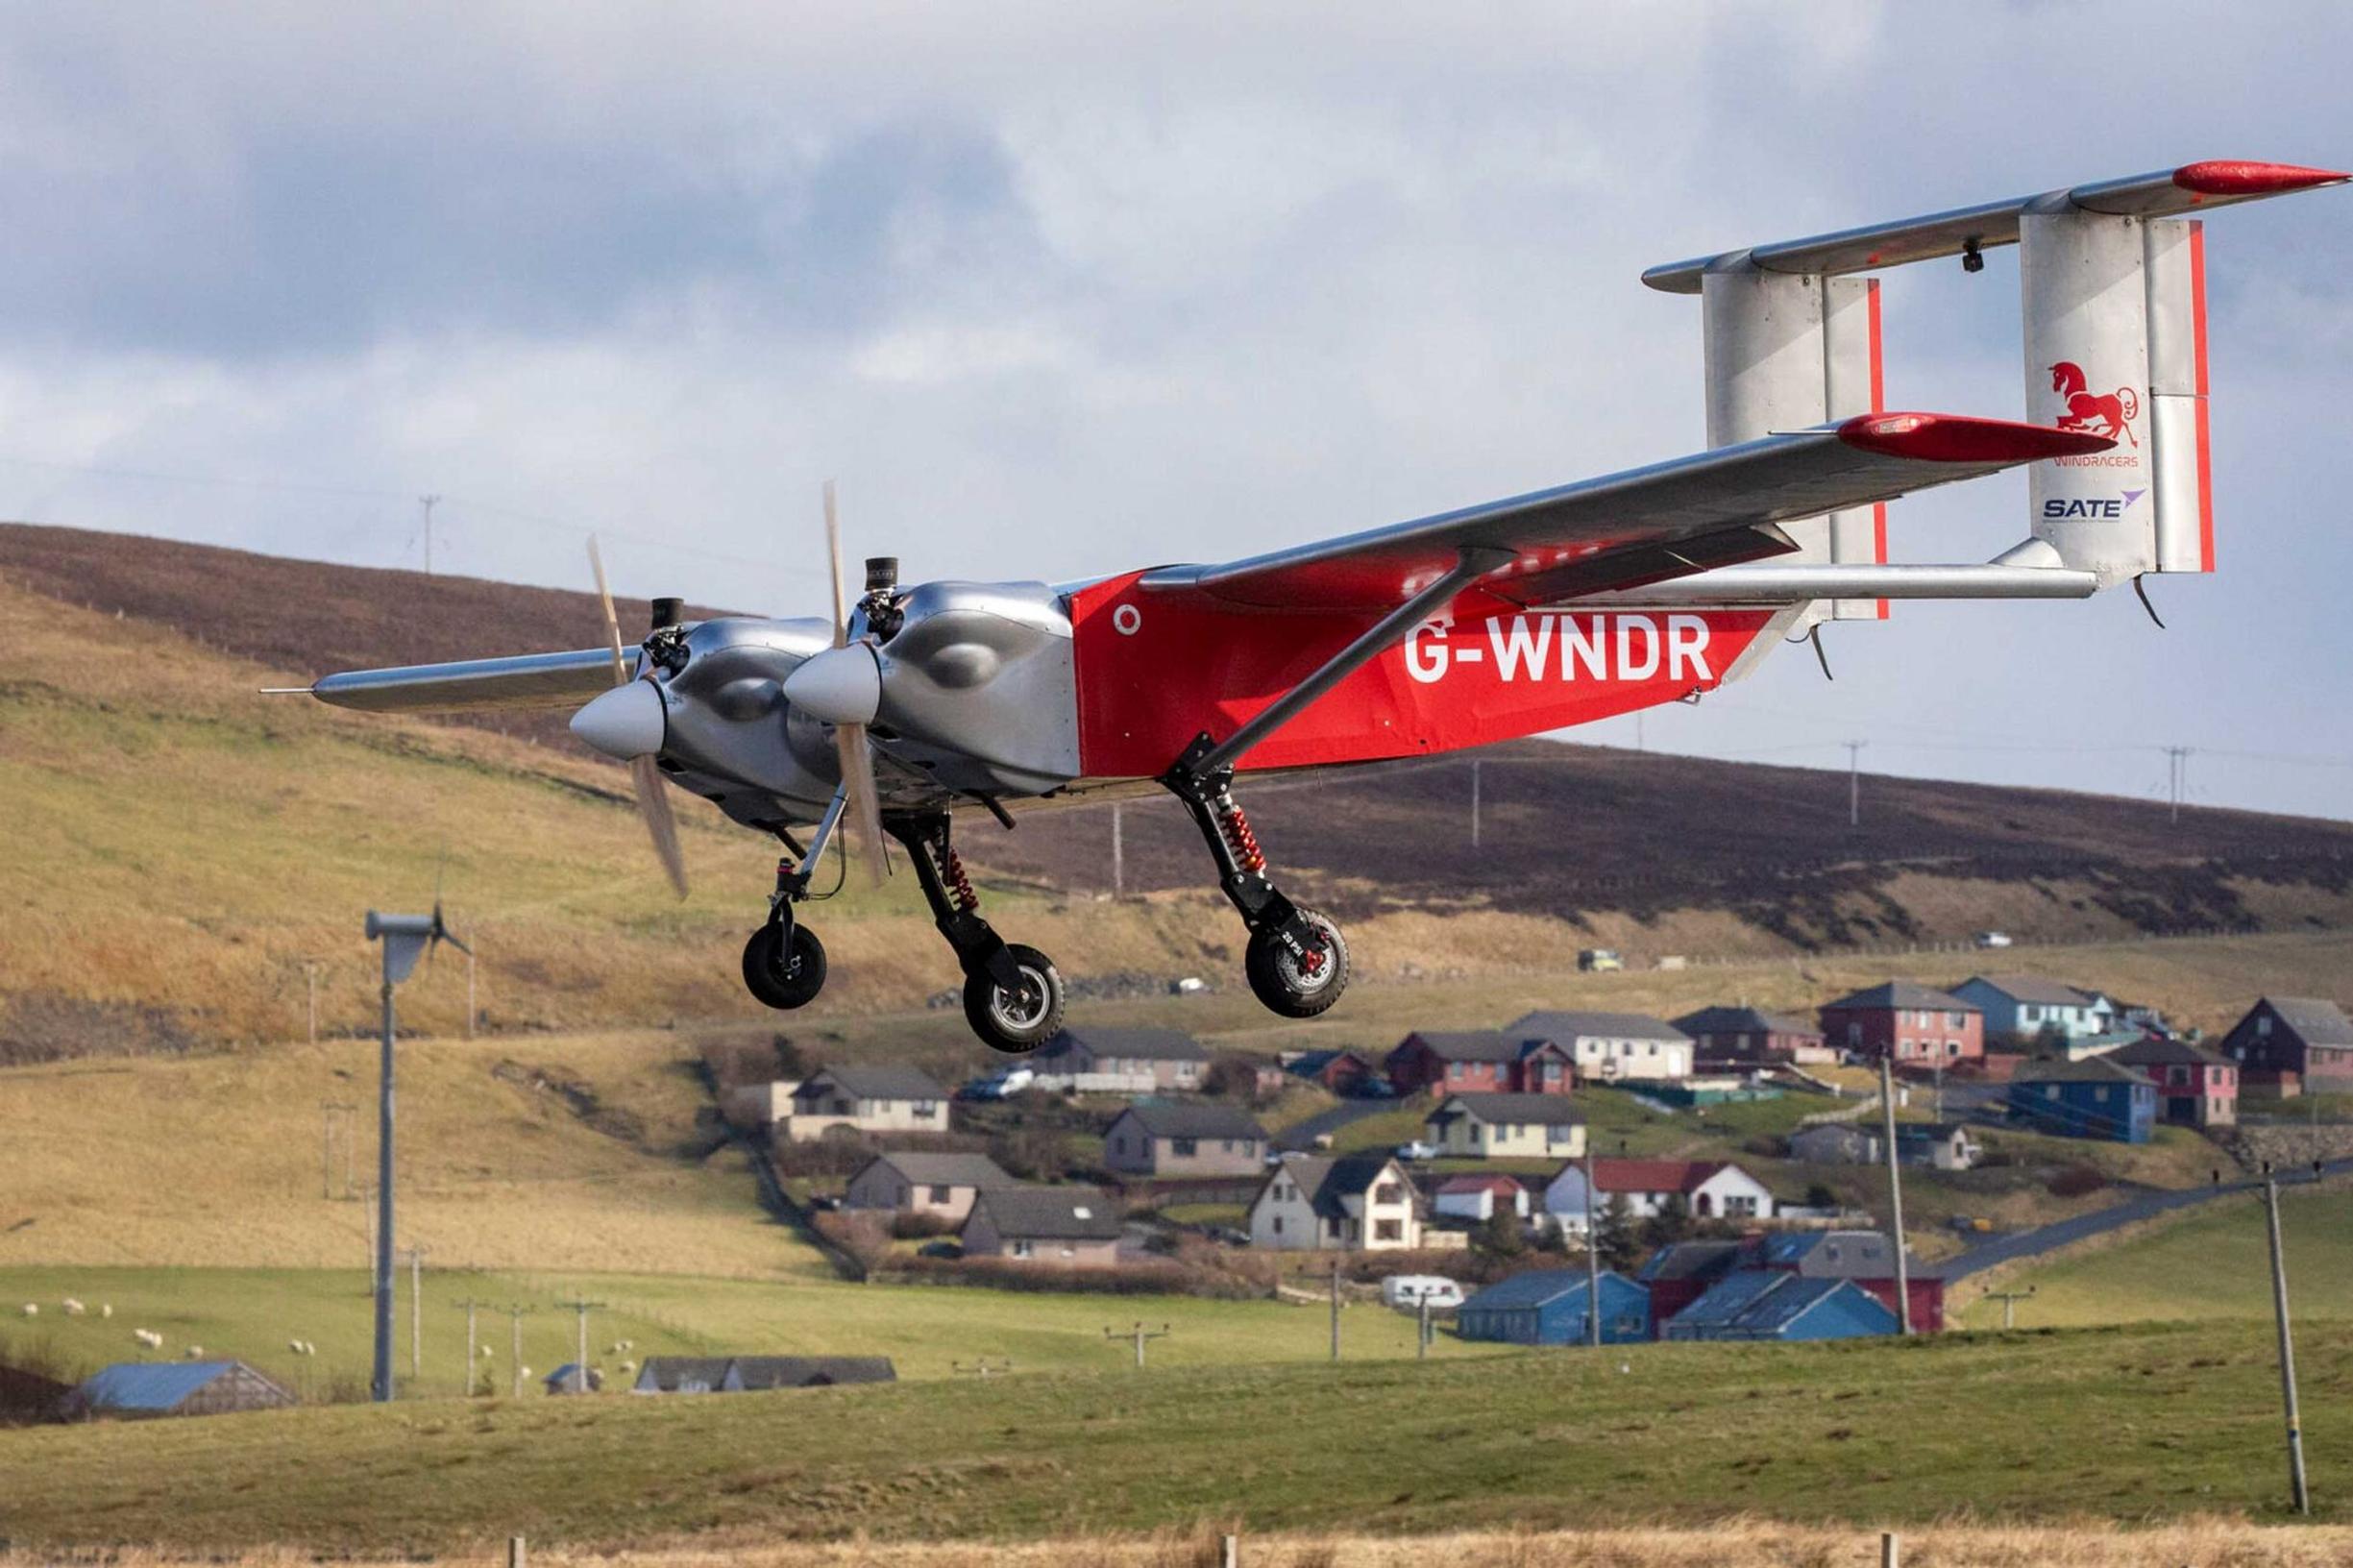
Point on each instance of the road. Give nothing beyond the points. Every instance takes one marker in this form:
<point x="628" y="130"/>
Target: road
<point x="2146" y="1203"/>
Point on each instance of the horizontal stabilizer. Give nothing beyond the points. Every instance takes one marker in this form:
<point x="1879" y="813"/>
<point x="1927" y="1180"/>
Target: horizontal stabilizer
<point x="2192" y="187"/>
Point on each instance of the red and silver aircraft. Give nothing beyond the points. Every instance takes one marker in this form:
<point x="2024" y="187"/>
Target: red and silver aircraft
<point x="1536" y="613"/>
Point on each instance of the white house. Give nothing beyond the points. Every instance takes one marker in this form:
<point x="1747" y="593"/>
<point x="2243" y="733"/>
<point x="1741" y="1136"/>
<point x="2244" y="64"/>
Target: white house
<point x="1475" y="1198"/>
<point x="2026" y="1005"/>
<point x="882" y="1099"/>
<point x="1710" y="1188"/>
<point x="1093" y="1060"/>
<point x="1608" y="1047"/>
<point x="1359" y="1203"/>
<point x="943" y="1184"/>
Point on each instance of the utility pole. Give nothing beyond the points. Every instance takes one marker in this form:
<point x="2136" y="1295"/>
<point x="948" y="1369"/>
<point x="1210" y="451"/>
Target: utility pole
<point x="1119" y="853"/>
<point x="516" y="1312"/>
<point x="470" y="993"/>
<point x="470" y="1305"/>
<point x="1894" y="1195"/>
<point x="1421" y="1337"/>
<point x="2176" y="777"/>
<point x="2009" y="1300"/>
<point x="329" y="1112"/>
<point x="310" y="978"/>
<point x="429" y="503"/>
<point x="579" y="1366"/>
<point x="1139" y="1333"/>
<point x="416" y="1316"/>
<point x="1593" y="1256"/>
<point x="2302" y="1497"/>
<point x="1854" y="781"/>
<point x="406" y="938"/>
<point x="1474" y="803"/>
<point x="1336" y="1310"/>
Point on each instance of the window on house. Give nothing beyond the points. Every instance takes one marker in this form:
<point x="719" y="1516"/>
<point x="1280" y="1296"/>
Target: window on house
<point x="1277" y="1225"/>
<point x="1388" y="1192"/>
<point x="1184" y="1148"/>
<point x="2263" y="1025"/>
<point x="2099" y="1093"/>
<point x="1956" y="1019"/>
<point x="1389" y="1230"/>
<point x="1453" y="1070"/>
<point x="927" y="1109"/>
<point x="941" y="1193"/>
<point x="1024" y="1249"/>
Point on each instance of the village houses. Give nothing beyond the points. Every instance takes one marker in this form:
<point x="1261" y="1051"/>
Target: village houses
<point x="940" y="1185"/>
<point x="1066" y="1227"/>
<point x="1906" y="1022"/>
<point x="1506" y="1126"/>
<point x="1160" y="1137"/>
<point x="2292" y="1045"/>
<point x="1709" y="1190"/>
<point x="1483" y="1060"/>
<point x="865" y="1099"/>
<point x="1608" y="1046"/>
<point x="1358" y="1202"/>
<point x="2025" y="1007"/>
<point x="1099" y="1061"/>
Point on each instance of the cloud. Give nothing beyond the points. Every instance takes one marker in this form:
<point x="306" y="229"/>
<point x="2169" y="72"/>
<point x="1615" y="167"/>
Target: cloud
<point x="1055" y="294"/>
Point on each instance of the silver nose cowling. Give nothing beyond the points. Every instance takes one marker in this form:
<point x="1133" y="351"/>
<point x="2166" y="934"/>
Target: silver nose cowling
<point x="835" y="686"/>
<point x="624" y="723"/>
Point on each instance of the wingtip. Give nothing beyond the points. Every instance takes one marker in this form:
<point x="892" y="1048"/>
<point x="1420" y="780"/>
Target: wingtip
<point x="2242" y="177"/>
<point x="1965" y="438"/>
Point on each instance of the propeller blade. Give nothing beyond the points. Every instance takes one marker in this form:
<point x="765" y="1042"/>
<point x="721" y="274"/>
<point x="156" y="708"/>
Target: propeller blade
<point x="858" y="779"/>
<point x="654" y="805"/>
<point x="612" y="622"/>
<point x="833" y="554"/>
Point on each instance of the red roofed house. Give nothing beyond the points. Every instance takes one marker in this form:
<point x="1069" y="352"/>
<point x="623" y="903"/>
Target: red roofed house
<point x="1710" y="1188"/>
<point x="1907" y="1022"/>
<point x="1475" y="1198"/>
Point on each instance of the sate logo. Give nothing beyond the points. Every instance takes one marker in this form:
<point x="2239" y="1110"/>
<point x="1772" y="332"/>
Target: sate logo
<point x="2101" y="413"/>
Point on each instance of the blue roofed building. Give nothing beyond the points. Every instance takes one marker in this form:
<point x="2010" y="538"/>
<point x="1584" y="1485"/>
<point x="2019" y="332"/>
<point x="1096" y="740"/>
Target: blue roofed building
<point x="2093" y="1099"/>
<point x="1546" y="1307"/>
<point x="1777" y="1304"/>
<point x="147" y="1388"/>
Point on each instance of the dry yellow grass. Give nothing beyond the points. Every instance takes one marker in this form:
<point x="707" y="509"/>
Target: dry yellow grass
<point x="2195" y="1543"/>
<point x="217" y="1161"/>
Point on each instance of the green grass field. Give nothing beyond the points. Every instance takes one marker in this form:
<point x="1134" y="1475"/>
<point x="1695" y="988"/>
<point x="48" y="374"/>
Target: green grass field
<point x="2144" y="1423"/>
<point x="927" y="1330"/>
<point x="2212" y="1262"/>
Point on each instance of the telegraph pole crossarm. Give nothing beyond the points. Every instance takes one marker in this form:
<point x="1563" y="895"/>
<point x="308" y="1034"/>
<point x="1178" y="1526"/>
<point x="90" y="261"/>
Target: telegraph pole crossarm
<point x="582" y="1306"/>
<point x="1139" y="1335"/>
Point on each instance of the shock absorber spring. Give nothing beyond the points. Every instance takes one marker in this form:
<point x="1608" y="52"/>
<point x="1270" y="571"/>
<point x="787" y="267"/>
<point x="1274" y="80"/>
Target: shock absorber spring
<point x="1238" y="837"/>
<point x="951" y="867"/>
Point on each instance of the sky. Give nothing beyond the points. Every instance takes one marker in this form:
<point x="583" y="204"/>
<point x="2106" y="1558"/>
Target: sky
<point x="1058" y="291"/>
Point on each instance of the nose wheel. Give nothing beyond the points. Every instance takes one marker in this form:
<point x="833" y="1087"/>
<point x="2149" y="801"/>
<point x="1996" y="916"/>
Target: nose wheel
<point x="1302" y="982"/>
<point x="1020" y="1017"/>
<point x="784" y="965"/>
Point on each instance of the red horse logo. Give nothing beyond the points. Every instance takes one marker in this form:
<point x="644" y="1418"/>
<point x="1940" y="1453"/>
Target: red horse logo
<point x="2110" y="415"/>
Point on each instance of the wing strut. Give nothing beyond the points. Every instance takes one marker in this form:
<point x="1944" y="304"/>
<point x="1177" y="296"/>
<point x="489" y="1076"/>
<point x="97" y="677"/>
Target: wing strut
<point x="1471" y="563"/>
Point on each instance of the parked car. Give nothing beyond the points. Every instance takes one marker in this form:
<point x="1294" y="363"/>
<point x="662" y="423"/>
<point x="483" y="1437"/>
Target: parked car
<point x="1993" y="938"/>
<point x="1417" y="1150"/>
<point x="1410" y="1291"/>
<point x="939" y="1249"/>
<point x="1000" y="1084"/>
<point x="1374" y="1088"/>
<point x="1599" y="960"/>
<point x="1230" y="1235"/>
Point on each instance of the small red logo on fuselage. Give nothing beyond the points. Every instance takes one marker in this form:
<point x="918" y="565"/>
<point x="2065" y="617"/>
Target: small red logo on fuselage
<point x="2110" y="414"/>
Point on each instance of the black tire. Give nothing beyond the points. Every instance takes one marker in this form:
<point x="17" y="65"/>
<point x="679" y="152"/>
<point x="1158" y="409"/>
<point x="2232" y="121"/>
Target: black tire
<point x="1015" y="1022"/>
<point x="1279" y="980"/>
<point x="783" y="979"/>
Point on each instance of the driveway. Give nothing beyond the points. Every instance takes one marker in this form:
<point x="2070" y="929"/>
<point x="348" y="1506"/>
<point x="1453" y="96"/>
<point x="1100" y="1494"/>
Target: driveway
<point x="2146" y="1203"/>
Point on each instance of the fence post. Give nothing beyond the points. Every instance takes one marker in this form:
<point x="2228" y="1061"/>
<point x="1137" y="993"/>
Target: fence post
<point x="1891" y="1550"/>
<point x="516" y="1556"/>
<point x="1231" y="1555"/>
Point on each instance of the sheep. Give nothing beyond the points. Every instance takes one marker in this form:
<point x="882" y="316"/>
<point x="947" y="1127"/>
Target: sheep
<point x="32" y="1309"/>
<point x="629" y="1366"/>
<point x="73" y="1307"/>
<point x="148" y="1338"/>
<point x="106" y="1309"/>
<point x="196" y="1353"/>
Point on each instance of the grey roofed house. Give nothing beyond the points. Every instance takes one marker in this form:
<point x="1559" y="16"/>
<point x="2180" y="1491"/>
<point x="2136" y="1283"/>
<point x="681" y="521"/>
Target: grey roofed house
<point x="175" y="1389"/>
<point x="1050" y="1213"/>
<point x="1907" y="994"/>
<point x="1123" y="1044"/>
<point x="2315" y="1019"/>
<point x="1169" y="1118"/>
<point x="1503" y="1109"/>
<point x="2034" y="988"/>
<point x="1563" y="1026"/>
<point x="2091" y="1070"/>
<point x="1709" y="1260"/>
<point x="887" y="1081"/>
<point x="1471" y="1044"/>
<point x="683" y="1374"/>
<point x="1743" y="1020"/>
<point x="926" y="1169"/>
<point x="2163" y="1050"/>
<point x="1327" y="1181"/>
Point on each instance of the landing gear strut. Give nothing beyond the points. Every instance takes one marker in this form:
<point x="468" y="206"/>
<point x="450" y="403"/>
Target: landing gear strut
<point x="1012" y="994"/>
<point x="784" y="964"/>
<point x="1297" y="960"/>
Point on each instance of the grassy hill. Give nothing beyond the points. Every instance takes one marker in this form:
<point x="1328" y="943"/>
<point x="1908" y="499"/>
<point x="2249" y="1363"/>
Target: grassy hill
<point x="2148" y="1423"/>
<point x="160" y="789"/>
<point x="2212" y="1263"/>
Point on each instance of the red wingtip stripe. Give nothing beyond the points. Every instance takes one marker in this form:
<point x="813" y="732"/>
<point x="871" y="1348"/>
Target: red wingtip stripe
<point x="1963" y="438"/>
<point x="2233" y="177"/>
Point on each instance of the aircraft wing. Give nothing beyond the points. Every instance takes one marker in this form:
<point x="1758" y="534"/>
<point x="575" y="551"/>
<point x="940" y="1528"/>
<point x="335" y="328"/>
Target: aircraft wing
<point x="1622" y="530"/>
<point x="526" y="680"/>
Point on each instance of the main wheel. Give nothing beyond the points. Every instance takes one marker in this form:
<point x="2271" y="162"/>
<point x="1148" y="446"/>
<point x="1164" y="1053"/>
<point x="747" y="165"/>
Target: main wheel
<point x="781" y="977"/>
<point x="1298" y="986"/>
<point x="1021" y="1019"/>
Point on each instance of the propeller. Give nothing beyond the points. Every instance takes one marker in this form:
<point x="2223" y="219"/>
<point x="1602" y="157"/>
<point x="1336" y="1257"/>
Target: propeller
<point x="859" y="672"/>
<point x="628" y="722"/>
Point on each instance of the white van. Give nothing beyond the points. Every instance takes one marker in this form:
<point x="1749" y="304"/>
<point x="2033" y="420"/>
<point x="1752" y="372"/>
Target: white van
<point x="1409" y="1292"/>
